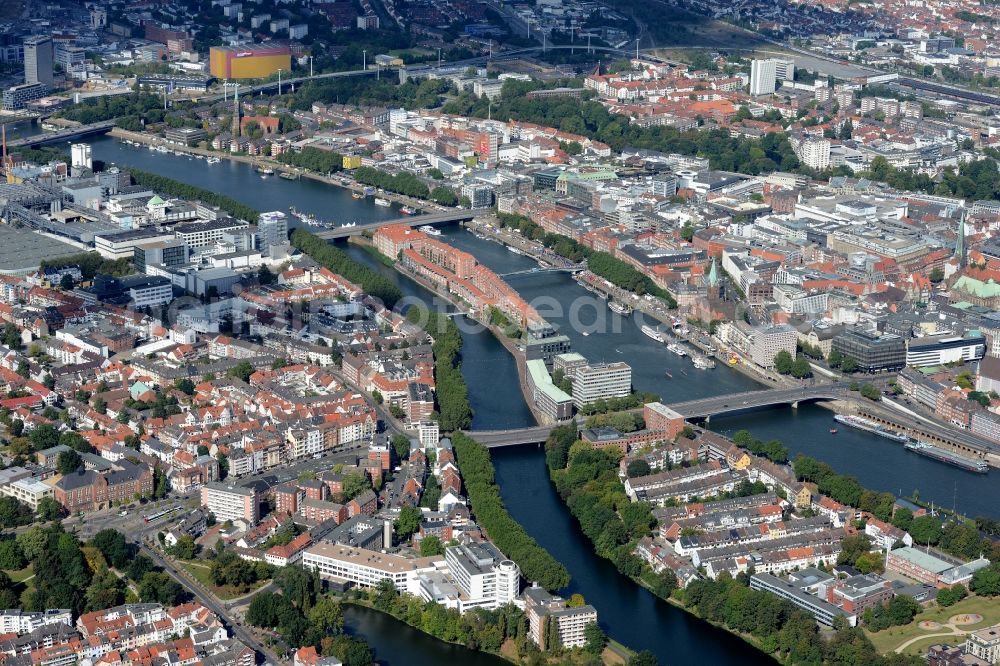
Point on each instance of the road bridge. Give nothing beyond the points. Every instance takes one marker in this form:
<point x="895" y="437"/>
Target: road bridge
<point x="62" y="135"/>
<point x="700" y="409"/>
<point x="410" y="220"/>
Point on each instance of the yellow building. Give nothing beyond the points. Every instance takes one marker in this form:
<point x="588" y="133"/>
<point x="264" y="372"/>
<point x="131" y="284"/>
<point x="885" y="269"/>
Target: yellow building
<point x="249" y="62"/>
<point x="352" y="161"/>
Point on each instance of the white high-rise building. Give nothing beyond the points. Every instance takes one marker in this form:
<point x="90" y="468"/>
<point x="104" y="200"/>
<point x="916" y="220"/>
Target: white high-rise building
<point x="80" y="155"/>
<point x="816" y="154"/>
<point x="763" y="77"/>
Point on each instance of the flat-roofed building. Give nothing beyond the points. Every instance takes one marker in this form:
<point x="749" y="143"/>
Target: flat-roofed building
<point x="485" y="576"/>
<point x="601" y="381"/>
<point x="569" y="622"/>
<point x="231" y="502"/>
<point x="823" y="611"/>
<point x="367" y="568"/>
<point x="551" y="401"/>
<point x="985" y="644"/>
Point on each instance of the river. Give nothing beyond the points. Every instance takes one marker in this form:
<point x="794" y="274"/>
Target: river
<point x="628" y="613"/>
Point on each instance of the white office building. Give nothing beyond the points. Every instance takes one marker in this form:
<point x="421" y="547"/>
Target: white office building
<point x="763" y="77"/>
<point x="367" y="568"/>
<point x="600" y="382"/>
<point x="485" y="577"/>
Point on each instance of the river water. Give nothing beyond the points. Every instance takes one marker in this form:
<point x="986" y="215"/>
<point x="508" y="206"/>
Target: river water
<point x="628" y="613"/>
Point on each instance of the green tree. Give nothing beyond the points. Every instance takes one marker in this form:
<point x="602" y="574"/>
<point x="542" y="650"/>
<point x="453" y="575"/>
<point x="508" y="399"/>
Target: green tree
<point x="638" y="467"/>
<point x="408" y="522"/>
<point x="241" y="371"/>
<point x="354" y="484"/>
<point x="643" y="658"/>
<point x="431" y="545"/>
<point x="113" y="547"/>
<point x="783" y="362"/>
<point x="185" y="548"/>
<point x="11" y="555"/>
<point x="926" y="530"/>
<point x="595" y="638"/>
<point x="49" y="508"/>
<point x="68" y="462"/>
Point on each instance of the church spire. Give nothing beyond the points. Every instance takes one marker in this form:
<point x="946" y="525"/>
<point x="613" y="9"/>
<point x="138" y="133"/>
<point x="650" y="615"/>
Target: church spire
<point x="713" y="275"/>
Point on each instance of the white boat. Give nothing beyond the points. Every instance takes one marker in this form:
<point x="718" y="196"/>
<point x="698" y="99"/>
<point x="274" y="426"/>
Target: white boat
<point x="651" y="332"/>
<point x="349" y="224"/>
<point x="213" y="160"/>
<point x="677" y="349"/>
<point x="514" y="250"/>
<point x="385" y="203"/>
<point x="620" y="308"/>
<point x="430" y="230"/>
<point x="703" y="362"/>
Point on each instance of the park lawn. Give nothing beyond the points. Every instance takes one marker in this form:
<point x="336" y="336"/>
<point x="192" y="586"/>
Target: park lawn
<point x="21" y="575"/>
<point x="224" y="592"/>
<point x="890" y="639"/>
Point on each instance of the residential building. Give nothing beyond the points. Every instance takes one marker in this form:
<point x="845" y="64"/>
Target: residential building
<point x="547" y="611"/>
<point x="230" y="502"/>
<point x="763" y="77"/>
<point x="985" y="644"/>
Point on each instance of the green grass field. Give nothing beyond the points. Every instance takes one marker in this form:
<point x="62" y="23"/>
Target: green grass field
<point x="890" y="639"/>
<point x="226" y="592"/>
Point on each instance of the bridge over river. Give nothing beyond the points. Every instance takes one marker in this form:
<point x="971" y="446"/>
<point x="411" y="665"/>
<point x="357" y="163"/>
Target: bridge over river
<point x="700" y="409"/>
<point x="410" y="220"/>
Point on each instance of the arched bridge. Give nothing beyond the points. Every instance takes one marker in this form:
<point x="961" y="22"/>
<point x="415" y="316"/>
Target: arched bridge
<point x="703" y="408"/>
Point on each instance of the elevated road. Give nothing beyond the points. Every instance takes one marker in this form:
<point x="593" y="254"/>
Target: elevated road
<point x="703" y="408"/>
<point x="410" y="220"/>
<point x="62" y="135"/>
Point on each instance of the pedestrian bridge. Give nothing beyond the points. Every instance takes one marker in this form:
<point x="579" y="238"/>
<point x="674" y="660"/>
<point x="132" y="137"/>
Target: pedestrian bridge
<point x="576" y="268"/>
<point x="692" y="410"/>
